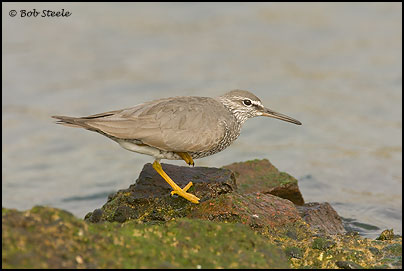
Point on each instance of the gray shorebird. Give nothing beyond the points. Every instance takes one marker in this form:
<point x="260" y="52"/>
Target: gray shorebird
<point x="178" y="128"/>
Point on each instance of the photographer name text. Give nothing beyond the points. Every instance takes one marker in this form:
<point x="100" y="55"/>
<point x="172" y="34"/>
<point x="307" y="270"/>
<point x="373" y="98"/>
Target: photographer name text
<point x="23" y="13"/>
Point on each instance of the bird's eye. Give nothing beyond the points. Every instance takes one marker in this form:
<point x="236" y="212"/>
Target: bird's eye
<point x="247" y="102"/>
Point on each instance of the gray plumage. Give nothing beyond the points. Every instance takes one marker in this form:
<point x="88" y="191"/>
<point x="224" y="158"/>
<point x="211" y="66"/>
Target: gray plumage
<point x="200" y="126"/>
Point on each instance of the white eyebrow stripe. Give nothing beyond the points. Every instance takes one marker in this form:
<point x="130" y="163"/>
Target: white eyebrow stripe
<point x="256" y="103"/>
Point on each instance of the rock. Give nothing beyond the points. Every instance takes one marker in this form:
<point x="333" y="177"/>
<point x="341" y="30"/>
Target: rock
<point x="262" y="177"/>
<point x="322" y="243"/>
<point x="294" y="252"/>
<point x="321" y="216"/>
<point x="207" y="182"/>
<point x="348" y="265"/>
<point x="260" y="212"/>
<point x="149" y="199"/>
<point x="95" y="216"/>
<point x="156" y="230"/>
<point x="46" y="237"/>
<point x="386" y="235"/>
<point x="244" y="196"/>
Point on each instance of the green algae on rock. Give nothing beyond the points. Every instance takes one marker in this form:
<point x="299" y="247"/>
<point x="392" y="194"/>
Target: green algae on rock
<point x="46" y="237"/>
<point x="263" y="177"/>
<point x="314" y="249"/>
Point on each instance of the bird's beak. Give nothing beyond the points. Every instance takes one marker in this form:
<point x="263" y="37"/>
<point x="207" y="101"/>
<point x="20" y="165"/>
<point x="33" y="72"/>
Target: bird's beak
<point x="270" y="113"/>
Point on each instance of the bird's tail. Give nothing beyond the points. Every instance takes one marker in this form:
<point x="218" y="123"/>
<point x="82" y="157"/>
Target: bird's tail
<point x="70" y="121"/>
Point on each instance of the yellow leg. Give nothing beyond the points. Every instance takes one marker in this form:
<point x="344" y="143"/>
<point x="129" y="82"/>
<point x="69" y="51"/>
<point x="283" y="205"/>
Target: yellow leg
<point x="186" y="157"/>
<point x="185" y="189"/>
<point x="177" y="190"/>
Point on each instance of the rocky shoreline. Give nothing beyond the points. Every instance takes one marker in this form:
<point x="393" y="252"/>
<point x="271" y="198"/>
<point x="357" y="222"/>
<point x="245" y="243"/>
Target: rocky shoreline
<point x="251" y="215"/>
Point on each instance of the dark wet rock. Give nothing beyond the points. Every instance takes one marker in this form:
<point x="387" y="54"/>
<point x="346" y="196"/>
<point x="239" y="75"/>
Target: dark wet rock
<point x="321" y="216"/>
<point x="207" y="182"/>
<point x="95" y="216"/>
<point x="348" y="265"/>
<point x="260" y="176"/>
<point x="45" y="237"/>
<point x="122" y="213"/>
<point x="149" y="198"/>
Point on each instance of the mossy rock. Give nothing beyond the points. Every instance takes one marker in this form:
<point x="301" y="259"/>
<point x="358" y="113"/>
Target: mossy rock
<point x="51" y="238"/>
<point x="144" y="227"/>
<point x="260" y="176"/>
<point x="149" y="198"/>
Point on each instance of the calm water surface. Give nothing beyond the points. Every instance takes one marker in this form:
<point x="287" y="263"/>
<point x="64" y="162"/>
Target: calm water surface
<point x="335" y="67"/>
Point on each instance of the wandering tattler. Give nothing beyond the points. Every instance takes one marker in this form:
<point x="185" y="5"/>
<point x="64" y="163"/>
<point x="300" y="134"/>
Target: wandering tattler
<point x="178" y="128"/>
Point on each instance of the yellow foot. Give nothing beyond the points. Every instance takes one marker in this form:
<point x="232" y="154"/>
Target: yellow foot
<point x="177" y="190"/>
<point x="183" y="193"/>
<point x="185" y="189"/>
<point x="186" y="157"/>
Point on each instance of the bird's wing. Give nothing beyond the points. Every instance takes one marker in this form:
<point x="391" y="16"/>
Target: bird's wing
<point x="184" y="124"/>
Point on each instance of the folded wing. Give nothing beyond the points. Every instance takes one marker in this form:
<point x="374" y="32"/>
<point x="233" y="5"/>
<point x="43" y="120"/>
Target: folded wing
<point x="184" y="124"/>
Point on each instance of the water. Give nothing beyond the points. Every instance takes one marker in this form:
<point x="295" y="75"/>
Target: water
<point x="336" y="67"/>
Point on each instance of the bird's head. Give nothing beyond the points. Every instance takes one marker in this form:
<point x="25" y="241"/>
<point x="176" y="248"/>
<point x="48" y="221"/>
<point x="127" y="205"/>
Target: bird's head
<point x="244" y="105"/>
